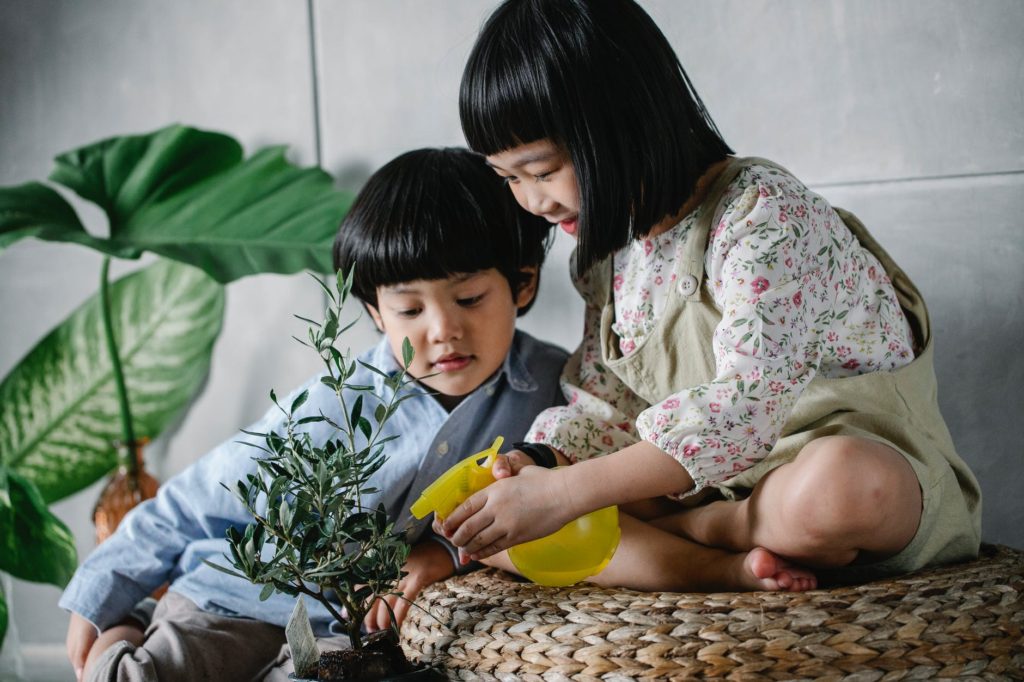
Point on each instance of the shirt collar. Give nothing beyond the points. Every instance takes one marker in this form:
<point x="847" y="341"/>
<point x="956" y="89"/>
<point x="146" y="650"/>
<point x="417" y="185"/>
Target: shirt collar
<point x="513" y="368"/>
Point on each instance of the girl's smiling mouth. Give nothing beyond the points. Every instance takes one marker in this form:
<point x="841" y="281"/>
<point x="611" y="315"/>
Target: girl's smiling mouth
<point x="569" y="226"/>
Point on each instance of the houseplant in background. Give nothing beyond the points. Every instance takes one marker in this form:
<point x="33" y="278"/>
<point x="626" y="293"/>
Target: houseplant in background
<point x="125" y="365"/>
<point x="311" y="533"/>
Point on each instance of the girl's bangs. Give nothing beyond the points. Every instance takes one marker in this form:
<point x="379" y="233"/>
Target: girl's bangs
<point x="502" y="102"/>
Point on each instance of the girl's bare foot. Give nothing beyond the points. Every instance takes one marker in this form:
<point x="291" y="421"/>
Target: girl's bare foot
<point x="762" y="570"/>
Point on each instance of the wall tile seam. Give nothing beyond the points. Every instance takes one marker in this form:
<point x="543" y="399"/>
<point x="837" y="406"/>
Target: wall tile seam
<point x="985" y="179"/>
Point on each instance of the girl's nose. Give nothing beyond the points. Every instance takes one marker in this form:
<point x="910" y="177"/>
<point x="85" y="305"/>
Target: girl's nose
<point x="537" y="201"/>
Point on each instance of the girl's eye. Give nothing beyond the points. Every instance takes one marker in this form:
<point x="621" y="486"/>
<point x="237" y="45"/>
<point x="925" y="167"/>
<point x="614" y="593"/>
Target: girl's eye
<point x="469" y="302"/>
<point x="542" y="177"/>
<point x="509" y="179"/>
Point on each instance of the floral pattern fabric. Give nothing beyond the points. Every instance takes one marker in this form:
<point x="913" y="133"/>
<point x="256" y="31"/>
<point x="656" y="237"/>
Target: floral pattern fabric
<point x="799" y="297"/>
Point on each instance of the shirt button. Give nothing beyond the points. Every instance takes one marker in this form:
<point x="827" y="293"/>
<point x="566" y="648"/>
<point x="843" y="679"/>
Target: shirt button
<point x="442" y="448"/>
<point x="687" y="285"/>
<point x="489" y="390"/>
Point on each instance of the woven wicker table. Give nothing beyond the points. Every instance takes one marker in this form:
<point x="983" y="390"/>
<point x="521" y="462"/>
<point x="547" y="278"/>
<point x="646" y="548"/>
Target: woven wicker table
<point x="958" y="621"/>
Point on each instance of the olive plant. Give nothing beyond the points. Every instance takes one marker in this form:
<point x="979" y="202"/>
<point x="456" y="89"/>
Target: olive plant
<point x="311" y="534"/>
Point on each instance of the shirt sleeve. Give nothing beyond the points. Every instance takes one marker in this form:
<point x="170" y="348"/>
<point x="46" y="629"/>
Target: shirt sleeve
<point x="144" y="551"/>
<point x="772" y="270"/>
<point x="601" y="411"/>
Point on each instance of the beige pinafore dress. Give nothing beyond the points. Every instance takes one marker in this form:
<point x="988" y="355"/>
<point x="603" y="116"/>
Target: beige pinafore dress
<point x="898" y="408"/>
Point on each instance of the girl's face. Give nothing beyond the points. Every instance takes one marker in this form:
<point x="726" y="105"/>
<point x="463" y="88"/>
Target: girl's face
<point x="542" y="180"/>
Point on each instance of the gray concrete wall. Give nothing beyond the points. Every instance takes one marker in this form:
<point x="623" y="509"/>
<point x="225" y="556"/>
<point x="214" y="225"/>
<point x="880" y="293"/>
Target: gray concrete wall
<point x="907" y="113"/>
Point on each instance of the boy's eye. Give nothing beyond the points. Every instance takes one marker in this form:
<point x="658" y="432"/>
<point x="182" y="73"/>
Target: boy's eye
<point x="471" y="301"/>
<point x="408" y="312"/>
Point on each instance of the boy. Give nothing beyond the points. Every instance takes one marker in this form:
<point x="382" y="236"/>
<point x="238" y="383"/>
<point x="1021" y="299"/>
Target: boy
<point x="442" y="257"/>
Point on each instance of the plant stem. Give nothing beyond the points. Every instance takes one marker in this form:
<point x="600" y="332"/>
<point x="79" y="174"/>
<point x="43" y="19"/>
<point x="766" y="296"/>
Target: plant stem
<point x="127" y="427"/>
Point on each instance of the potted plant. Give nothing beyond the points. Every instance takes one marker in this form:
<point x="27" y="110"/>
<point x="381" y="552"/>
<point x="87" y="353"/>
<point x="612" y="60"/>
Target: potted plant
<point x="311" y="535"/>
<point x="124" y="366"/>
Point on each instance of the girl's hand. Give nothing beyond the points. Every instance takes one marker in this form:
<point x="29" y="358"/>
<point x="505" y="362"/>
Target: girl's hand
<point x="517" y="508"/>
<point x="428" y="563"/>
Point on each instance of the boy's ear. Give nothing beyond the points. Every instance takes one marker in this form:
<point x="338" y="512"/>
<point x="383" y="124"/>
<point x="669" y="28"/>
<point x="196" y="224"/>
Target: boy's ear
<point x="528" y="289"/>
<point x="377" y="319"/>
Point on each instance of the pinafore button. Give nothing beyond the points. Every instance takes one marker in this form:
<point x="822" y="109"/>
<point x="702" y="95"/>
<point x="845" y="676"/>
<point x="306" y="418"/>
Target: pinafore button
<point x="687" y="285"/>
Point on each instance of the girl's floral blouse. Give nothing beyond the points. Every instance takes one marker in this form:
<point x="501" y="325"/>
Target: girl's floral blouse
<point x="799" y="297"/>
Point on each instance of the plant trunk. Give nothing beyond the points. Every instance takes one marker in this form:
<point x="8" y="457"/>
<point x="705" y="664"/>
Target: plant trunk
<point x="127" y="426"/>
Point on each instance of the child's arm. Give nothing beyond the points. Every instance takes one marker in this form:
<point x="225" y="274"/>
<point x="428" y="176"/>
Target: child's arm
<point x="539" y="501"/>
<point x="428" y="563"/>
<point x="145" y="550"/>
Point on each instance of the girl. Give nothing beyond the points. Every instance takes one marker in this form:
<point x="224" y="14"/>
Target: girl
<point x="747" y="347"/>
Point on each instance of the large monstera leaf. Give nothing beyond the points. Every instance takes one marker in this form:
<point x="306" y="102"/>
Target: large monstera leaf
<point x="58" y="407"/>
<point x="187" y="195"/>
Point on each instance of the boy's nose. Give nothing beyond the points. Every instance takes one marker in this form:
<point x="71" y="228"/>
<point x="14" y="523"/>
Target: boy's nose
<point x="445" y="326"/>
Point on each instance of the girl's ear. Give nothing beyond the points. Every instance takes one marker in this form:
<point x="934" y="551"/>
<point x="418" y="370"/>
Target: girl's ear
<point x="377" y="319"/>
<point x="528" y="287"/>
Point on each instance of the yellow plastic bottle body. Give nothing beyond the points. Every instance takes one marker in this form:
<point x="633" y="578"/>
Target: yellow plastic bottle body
<point x="580" y="549"/>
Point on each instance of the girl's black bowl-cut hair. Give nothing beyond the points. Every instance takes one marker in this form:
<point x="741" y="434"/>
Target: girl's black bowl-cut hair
<point x="599" y="79"/>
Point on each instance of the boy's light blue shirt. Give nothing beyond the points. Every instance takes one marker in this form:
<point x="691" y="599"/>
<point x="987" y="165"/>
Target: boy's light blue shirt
<point x="167" y="538"/>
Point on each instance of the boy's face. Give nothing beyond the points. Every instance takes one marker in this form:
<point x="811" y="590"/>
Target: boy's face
<point x="460" y="327"/>
<point x="543" y="181"/>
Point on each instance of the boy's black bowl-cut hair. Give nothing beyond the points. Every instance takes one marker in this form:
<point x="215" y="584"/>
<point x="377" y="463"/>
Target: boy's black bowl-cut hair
<point x="433" y="213"/>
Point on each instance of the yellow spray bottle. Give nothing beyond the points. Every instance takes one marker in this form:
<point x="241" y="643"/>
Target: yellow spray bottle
<point x="578" y="550"/>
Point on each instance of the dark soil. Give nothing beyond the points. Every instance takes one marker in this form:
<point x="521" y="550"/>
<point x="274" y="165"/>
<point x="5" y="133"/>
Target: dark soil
<point x="381" y="656"/>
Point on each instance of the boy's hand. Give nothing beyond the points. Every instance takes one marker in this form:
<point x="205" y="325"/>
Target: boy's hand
<point x="510" y="464"/>
<point x="81" y="636"/>
<point x="515" y="509"/>
<point x="85" y="645"/>
<point x="428" y="563"/>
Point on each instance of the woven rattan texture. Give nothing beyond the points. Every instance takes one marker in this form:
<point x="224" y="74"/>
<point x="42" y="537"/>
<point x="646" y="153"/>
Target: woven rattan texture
<point x="957" y="621"/>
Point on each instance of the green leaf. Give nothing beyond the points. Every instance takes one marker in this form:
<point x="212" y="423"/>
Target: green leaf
<point x="186" y="194"/>
<point x="122" y="174"/>
<point x="224" y="569"/>
<point x="267" y="592"/>
<point x="3" y="617"/>
<point x="299" y="400"/>
<point x="357" y="410"/>
<point x="58" y="407"/>
<point x="35" y="210"/>
<point x="407" y="352"/>
<point x="364" y="426"/>
<point x="34" y="544"/>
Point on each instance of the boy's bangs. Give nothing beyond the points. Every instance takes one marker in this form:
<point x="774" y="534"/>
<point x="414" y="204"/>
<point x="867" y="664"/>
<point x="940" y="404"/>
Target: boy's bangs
<point x="455" y="245"/>
<point x="434" y="213"/>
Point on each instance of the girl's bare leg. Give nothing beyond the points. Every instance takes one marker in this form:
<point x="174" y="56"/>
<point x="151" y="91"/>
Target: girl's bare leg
<point x="841" y="497"/>
<point x="651" y="559"/>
